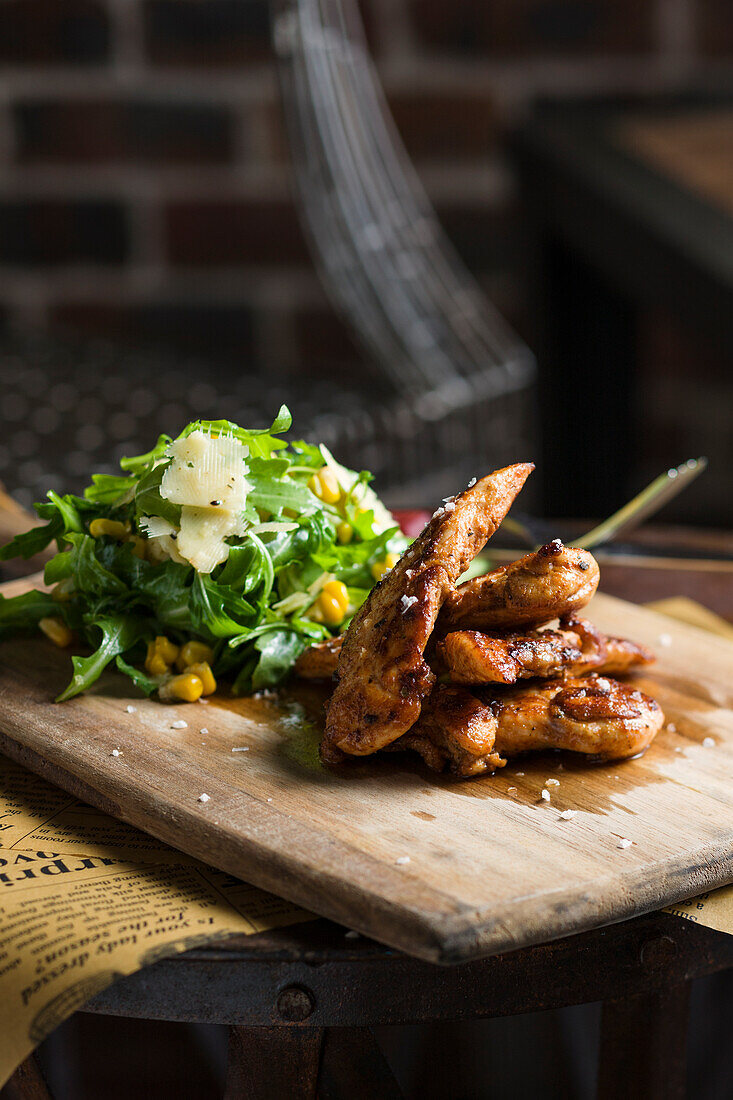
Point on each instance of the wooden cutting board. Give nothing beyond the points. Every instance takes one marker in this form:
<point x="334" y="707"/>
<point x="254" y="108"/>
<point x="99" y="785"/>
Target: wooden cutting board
<point x="491" y="866"/>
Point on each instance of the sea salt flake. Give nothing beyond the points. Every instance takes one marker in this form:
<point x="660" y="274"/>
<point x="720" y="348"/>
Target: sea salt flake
<point x="204" y="798"/>
<point x="244" y="748"/>
<point x="552" y="782"/>
<point x="179" y="725"/>
<point x="545" y="794"/>
<point x="402" y="860"/>
<point x="603" y="685"/>
<point x="204" y="731"/>
<point x="130" y="709"/>
<point x="624" y="843"/>
<point x="519" y="773"/>
<point x="471" y="483"/>
<point x="449" y="507"/>
<point x="511" y="789"/>
<point x="567" y="815"/>
<point x="351" y="935"/>
<point x="671" y="727"/>
<point x="407" y="602"/>
<point x="665" y="640"/>
<point x="708" y="742"/>
<point x="115" y="752"/>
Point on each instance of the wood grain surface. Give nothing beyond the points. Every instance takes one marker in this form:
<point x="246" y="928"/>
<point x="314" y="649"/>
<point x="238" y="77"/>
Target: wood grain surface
<point x="491" y="866"/>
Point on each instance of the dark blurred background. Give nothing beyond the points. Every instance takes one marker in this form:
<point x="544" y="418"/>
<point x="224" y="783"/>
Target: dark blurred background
<point x="145" y="202"/>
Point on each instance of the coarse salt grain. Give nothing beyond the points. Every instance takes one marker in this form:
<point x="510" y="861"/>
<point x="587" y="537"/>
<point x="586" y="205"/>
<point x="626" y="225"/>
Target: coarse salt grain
<point x="204" y="798"/>
<point x="244" y="748"/>
<point x="545" y="794"/>
<point x="402" y="860"/>
<point x="179" y="725"/>
<point x="511" y="789"/>
<point x="708" y="742"/>
<point x="204" y="731"/>
<point x="130" y="709"/>
<point x="519" y="773"/>
<point x="269" y="800"/>
<point x="115" y="752"/>
<point x="665" y="640"/>
<point x="203" y="700"/>
<point x="624" y="843"/>
<point x="567" y="815"/>
<point x="552" y="782"/>
<point x="671" y="727"/>
<point x="351" y="935"/>
<point x="677" y="748"/>
<point x="407" y="602"/>
<point x="603" y="685"/>
<point x="471" y="483"/>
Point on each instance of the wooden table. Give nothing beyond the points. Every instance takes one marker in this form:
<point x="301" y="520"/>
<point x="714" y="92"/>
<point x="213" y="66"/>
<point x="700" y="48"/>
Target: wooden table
<point x="629" y="218"/>
<point x="300" y="1002"/>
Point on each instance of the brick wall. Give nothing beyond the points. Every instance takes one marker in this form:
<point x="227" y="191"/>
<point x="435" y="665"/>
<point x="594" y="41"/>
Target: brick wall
<point x="143" y="170"/>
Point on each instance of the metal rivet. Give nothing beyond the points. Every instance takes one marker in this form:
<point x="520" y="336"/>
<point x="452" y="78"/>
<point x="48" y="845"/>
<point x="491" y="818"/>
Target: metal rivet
<point x="295" y="1003"/>
<point x="657" y="951"/>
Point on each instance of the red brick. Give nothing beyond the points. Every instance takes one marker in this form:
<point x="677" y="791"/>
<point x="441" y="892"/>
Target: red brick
<point x="519" y="27"/>
<point x="324" y="340"/>
<point x="450" y="124"/>
<point x="206" y="32"/>
<point x="97" y="132"/>
<point x="54" y="32"/>
<point x="233" y="233"/>
<point x="219" y="330"/>
<point x="715" y="27"/>
<point x="43" y="232"/>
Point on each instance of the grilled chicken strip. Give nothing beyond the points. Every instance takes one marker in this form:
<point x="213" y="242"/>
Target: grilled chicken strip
<point x="382" y="676"/>
<point x="591" y="715"/>
<point x="319" y="661"/>
<point x="455" y="729"/>
<point x="554" y="581"/>
<point x="472" y="657"/>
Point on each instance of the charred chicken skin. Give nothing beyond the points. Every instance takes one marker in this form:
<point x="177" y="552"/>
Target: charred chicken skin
<point x="554" y="581"/>
<point x="592" y="715"/>
<point x="382" y="676"/>
<point x="472" y="657"/>
<point x="455" y="730"/>
<point x="319" y="661"/>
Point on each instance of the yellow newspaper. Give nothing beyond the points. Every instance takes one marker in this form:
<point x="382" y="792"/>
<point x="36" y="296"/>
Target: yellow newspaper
<point x="86" y="899"/>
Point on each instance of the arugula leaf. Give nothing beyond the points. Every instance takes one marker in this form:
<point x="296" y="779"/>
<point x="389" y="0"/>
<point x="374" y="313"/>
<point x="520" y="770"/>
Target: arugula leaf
<point x="89" y="574"/>
<point x="278" y="650"/>
<point x="140" y="679"/>
<point x="23" y="613"/>
<point x="34" y="541"/>
<point x="108" y="489"/>
<point x="138" y="464"/>
<point x="67" y="506"/>
<point x="119" y="633"/>
<point x="149" y="502"/>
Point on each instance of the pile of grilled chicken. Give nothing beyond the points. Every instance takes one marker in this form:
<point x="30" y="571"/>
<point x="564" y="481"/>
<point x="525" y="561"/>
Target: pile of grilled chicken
<point x="462" y="673"/>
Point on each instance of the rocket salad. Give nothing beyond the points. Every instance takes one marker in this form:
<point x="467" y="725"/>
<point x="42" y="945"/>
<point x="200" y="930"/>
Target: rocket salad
<point x="222" y="552"/>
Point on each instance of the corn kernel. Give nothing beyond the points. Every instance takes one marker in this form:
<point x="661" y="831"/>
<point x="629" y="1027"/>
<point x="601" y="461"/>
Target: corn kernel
<point x="138" y="546"/>
<point x="325" y="486"/>
<point x="391" y="560"/>
<point x="167" y="649"/>
<point x="57" y="631"/>
<point x="344" y="532"/>
<point x="338" y="591"/>
<point x="187" y="688"/>
<point x="111" y="527"/>
<point x="154" y="662"/>
<point x="193" y="653"/>
<point x="379" y="569"/>
<point x="331" y="609"/>
<point x="203" y="670"/>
